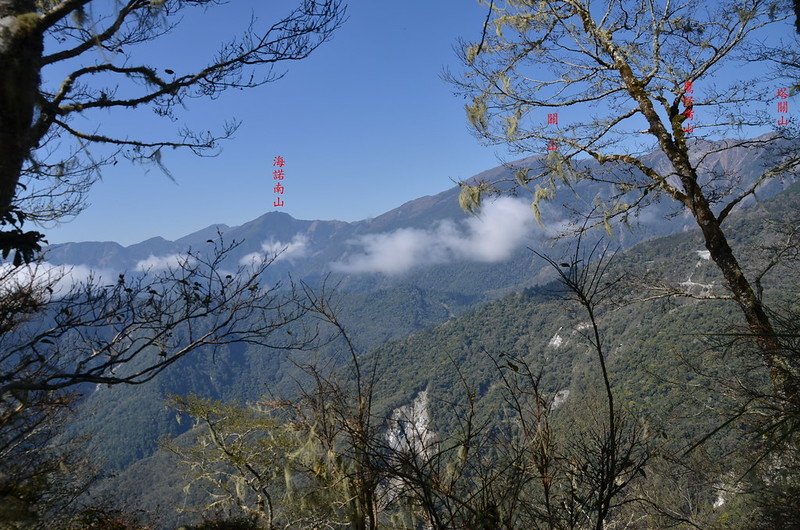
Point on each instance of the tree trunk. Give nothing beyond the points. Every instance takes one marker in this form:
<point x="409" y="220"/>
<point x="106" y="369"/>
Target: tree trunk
<point x="21" y="48"/>
<point x="783" y="380"/>
<point x="757" y="320"/>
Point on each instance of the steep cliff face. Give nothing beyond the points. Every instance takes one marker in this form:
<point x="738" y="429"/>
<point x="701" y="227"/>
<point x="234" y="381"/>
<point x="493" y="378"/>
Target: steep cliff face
<point x="410" y="427"/>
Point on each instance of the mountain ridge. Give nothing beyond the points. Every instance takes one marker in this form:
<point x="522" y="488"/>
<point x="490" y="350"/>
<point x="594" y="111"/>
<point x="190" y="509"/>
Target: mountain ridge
<point x="362" y="254"/>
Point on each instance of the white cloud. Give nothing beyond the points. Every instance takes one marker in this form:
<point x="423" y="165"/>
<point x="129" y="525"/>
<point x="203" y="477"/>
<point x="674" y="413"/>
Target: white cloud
<point x="502" y="227"/>
<point x="160" y="263"/>
<point x="60" y="278"/>
<point x="296" y="248"/>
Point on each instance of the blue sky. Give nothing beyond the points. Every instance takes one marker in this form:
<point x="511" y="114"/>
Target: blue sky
<point x="365" y="124"/>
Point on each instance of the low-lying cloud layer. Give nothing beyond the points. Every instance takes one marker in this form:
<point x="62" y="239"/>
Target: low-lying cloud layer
<point x="161" y="263"/>
<point x="60" y="278"/>
<point x="503" y="226"/>
<point x="296" y="248"/>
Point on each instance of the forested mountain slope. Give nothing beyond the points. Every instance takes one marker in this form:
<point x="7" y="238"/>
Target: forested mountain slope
<point x="658" y="351"/>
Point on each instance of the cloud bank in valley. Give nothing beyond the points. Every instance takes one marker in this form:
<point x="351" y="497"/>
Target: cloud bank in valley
<point x="296" y="248"/>
<point x="161" y="263"/>
<point x="502" y="227"/>
<point x="60" y="278"/>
